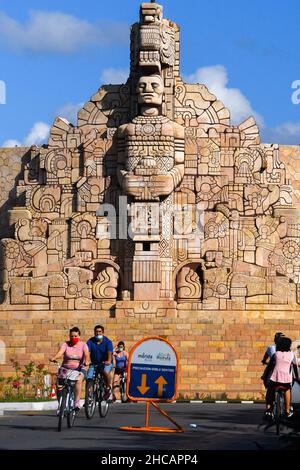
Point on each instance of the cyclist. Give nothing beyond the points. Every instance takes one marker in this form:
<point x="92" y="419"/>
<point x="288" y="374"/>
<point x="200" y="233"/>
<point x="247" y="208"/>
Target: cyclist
<point x="75" y="355"/>
<point x="271" y="349"/>
<point x="266" y="374"/>
<point x="101" y="351"/>
<point x="280" y="372"/>
<point x="298" y="355"/>
<point x="121" y="361"/>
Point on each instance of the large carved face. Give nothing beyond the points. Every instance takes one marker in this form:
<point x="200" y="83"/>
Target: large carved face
<point x="150" y="90"/>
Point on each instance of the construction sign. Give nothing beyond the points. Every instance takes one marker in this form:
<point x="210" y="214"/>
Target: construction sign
<point x="152" y="370"/>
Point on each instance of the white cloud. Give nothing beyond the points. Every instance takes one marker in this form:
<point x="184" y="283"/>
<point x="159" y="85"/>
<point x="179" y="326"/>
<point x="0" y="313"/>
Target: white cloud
<point x="216" y="79"/>
<point x="114" y="76"/>
<point x="11" y="143"/>
<point x="50" y="31"/>
<point x="37" y="135"/>
<point x="69" y="111"/>
<point x="286" y="133"/>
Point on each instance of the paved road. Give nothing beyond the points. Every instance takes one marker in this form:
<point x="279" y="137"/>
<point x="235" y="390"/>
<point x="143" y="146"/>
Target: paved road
<point x="219" y="426"/>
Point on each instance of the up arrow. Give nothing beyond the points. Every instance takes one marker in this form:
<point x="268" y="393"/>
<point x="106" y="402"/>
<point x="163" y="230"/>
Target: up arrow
<point x="160" y="382"/>
<point x="143" y="388"/>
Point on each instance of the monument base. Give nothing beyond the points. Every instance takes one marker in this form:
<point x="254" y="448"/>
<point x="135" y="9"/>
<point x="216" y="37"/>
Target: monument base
<point x="220" y="350"/>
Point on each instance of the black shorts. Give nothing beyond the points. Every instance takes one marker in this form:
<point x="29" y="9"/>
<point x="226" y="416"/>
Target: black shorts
<point x="272" y="384"/>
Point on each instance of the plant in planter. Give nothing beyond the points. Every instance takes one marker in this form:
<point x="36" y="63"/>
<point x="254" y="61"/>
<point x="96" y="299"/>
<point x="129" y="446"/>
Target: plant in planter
<point x="27" y="375"/>
<point x="24" y="383"/>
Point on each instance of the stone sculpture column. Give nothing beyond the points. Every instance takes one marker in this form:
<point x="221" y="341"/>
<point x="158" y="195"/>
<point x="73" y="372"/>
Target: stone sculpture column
<point x="150" y="167"/>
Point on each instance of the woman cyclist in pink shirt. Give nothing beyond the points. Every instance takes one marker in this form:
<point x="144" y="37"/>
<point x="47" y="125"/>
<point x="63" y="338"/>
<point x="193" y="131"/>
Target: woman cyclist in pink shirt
<point x="75" y="355"/>
<point x="279" y="372"/>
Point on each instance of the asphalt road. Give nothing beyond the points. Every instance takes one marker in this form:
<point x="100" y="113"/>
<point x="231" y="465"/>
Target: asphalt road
<point x="219" y="427"/>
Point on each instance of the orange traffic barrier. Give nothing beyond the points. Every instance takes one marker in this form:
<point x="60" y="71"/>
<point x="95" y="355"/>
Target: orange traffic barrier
<point x="148" y="428"/>
<point x="153" y="367"/>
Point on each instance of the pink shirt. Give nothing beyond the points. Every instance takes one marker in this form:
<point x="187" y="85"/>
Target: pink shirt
<point x="73" y="355"/>
<point x="282" y="371"/>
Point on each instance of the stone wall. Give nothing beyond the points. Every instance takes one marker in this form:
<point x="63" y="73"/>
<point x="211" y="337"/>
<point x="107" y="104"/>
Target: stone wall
<point x="220" y="351"/>
<point x="211" y="253"/>
<point x="12" y="160"/>
<point x="290" y="156"/>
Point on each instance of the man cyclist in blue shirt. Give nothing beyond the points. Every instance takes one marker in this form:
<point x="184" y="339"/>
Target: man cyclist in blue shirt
<point x="101" y="351"/>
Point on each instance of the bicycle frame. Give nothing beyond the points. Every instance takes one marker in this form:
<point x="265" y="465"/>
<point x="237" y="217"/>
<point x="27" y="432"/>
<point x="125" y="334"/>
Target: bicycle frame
<point x="279" y="407"/>
<point x="97" y="390"/>
<point x="122" y="387"/>
<point x="67" y="403"/>
<point x="66" y="400"/>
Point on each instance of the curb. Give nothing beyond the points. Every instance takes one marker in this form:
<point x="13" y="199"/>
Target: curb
<point x="30" y="406"/>
<point x="52" y="405"/>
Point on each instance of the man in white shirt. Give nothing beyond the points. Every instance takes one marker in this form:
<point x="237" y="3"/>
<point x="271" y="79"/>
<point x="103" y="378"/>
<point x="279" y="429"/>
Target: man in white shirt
<point x="271" y="349"/>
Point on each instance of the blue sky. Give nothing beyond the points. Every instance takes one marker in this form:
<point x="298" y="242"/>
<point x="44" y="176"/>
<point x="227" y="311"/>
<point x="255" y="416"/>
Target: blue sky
<point x="55" y="54"/>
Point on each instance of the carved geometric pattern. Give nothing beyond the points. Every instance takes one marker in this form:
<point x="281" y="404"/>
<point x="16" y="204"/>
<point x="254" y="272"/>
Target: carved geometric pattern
<point x="169" y="149"/>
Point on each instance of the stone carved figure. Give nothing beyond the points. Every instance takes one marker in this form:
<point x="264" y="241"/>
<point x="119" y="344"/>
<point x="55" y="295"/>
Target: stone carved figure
<point x="151" y="147"/>
<point x="198" y="191"/>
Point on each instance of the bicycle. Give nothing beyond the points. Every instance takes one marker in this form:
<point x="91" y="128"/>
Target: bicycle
<point x="66" y="401"/>
<point x="122" y="387"/>
<point x="279" y="407"/>
<point x="94" y="393"/>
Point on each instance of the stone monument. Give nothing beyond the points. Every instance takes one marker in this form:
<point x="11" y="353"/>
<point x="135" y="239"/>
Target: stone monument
<point x="154" y="205"/>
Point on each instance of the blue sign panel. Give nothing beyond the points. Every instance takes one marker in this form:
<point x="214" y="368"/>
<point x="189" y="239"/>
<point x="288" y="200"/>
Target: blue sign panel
<point x="157" y="382"/>
<point x="152" y="370"/>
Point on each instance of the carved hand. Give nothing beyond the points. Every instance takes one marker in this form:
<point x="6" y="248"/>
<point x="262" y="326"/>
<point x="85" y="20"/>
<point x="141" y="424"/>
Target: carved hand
<point x="133" y="185"/>
<point x="161" y="185"/>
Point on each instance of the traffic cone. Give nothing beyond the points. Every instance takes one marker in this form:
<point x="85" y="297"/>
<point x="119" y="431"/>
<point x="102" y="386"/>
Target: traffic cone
<point x="38" y="392"/>
<point x="53" y="394"/>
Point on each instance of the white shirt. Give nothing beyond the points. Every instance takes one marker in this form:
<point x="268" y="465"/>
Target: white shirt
<point x="271" y="350"/>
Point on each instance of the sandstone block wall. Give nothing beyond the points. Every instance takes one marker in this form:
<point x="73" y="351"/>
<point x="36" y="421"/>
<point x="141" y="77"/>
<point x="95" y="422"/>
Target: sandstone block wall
<point x="218" y="288"/>
<point x="220" y="351"/>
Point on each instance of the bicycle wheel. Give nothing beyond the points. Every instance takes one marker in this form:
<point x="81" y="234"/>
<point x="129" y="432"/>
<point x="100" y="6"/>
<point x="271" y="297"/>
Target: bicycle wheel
<point x="71" y="413"/>
<point x="103" y="404"/>
<point x="62" y="408"/>
<point x="124" y="397"/>
<point x="279" y="410"/>
<point x="90" y="399"/>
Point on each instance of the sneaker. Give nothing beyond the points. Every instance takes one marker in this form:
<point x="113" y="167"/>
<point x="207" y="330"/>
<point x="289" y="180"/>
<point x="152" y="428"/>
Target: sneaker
<point x="289" y="415"/>
<point x="77" y="405"/>
<point x="268" y="416"/>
